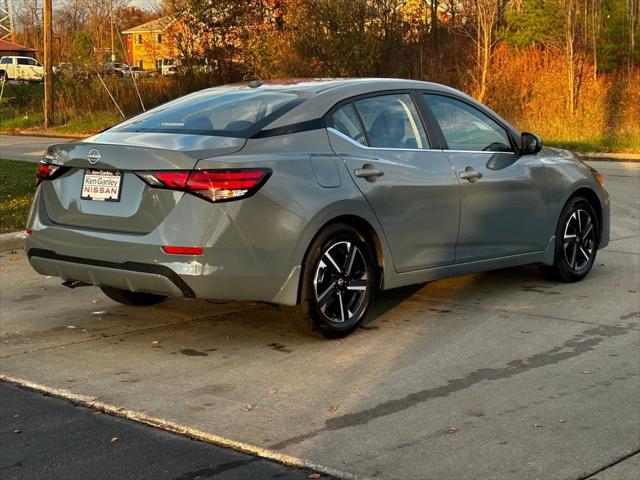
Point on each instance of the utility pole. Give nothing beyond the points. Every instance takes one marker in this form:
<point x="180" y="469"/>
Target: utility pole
<point x="113" y="50"/>
<point x="7" y="30"/>
<point x="48" y="67"/>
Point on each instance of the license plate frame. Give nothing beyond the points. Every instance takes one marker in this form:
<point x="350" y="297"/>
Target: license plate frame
<point x="105" y="179"/>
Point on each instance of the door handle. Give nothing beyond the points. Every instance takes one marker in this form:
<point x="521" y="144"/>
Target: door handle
<point x="470" y="174"/>
<point x="368" y="173"/>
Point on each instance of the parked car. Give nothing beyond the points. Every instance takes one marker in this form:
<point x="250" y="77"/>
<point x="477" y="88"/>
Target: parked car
<point x="168" y="66"/>
<point x="21" y="68"/>
<point x="140" y="73"/>
<point x="315" y="194"/>
<point x="116" y="69"/>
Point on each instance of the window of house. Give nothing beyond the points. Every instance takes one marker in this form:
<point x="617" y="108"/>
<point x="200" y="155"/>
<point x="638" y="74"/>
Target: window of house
<point x="159" y="38"/>
<point x="140" y="64"/>
<point x="139" y="39"/>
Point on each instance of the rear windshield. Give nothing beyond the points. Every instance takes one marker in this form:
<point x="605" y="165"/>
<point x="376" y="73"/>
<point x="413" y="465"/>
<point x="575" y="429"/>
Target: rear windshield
<point x="229" y="113"/>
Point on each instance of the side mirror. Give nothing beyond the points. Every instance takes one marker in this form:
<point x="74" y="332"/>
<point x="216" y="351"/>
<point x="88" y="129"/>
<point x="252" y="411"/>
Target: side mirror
<point x="530" y="143"/>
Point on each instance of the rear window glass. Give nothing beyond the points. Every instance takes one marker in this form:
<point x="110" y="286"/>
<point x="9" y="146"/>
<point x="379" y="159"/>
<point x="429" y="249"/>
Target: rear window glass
<point x="231" y="113"/>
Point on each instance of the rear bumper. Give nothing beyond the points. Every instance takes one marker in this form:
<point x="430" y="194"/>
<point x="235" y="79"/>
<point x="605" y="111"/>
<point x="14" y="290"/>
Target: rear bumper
<point x="242" y="260"/>
<point x="133" y="276"/>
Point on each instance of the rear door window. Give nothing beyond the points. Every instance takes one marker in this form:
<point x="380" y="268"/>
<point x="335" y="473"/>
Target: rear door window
<point x="223" y="112"/>
<point x="467" y="128"/>
<point x="346" y="121"/>
<point x="392" y="121"/>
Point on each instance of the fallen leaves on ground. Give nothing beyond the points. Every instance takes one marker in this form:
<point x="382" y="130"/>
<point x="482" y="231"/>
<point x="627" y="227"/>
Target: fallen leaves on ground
<point x="247" y="408"/>
<point x="272" y="391"/>
<point x="114" y="439"/>
<point x="314" y="475"/>
<point x="95" y="300"/>
<point x="17" y="430"/>
<point x="451" y="430"/>
<point x="332" y="408"/>
<point x="537" y="425"/>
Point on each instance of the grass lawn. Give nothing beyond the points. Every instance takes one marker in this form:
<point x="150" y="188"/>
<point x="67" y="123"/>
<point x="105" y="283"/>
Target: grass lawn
<point x="17" y="185"/>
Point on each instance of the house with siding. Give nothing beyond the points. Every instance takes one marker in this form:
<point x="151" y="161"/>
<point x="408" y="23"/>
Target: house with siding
<point x="148" y="44"/>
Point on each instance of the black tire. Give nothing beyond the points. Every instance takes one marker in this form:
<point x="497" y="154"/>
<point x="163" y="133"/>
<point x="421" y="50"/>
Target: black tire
<point x="3" y="76"/>
<point x="136" y="299"/>
<point x="577" y="240"/>
<point x="336" y="292"/>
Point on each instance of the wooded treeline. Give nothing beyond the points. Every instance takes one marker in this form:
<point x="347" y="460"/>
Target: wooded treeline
<point x="569" y="69"/>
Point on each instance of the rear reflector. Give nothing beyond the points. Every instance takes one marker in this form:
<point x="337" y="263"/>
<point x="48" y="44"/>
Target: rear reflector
<point x="212" y="185"/>
<point x="183" y="250"/>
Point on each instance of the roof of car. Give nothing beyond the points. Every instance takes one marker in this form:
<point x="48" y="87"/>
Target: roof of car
<point x="319" y="85"/>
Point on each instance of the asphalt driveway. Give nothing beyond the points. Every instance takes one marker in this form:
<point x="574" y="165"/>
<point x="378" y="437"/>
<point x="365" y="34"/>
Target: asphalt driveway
<point x="499" y="375"/>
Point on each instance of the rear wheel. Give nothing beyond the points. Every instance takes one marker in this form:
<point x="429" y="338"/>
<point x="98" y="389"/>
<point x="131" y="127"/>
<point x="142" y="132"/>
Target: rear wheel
<point x="338" y="282"/>
<point x="576" y="242"/>
<point x="136" y="299"/>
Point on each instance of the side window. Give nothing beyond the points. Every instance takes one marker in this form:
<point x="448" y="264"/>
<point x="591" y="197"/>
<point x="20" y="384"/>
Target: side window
<point x="467" y="128"/>
<point x="5" y="61"/>
<point x="392" y="121"/>
<point x="346" y="121"/>
<point x="23" y="61"/>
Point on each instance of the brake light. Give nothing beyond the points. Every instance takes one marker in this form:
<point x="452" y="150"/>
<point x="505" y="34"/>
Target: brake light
<point x="47" y="171"/>
<point x="213" y="185"/>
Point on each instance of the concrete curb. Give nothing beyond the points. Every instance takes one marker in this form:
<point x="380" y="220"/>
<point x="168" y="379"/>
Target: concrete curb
<point x="140" y="417"/>
<point x="12" y="241"/>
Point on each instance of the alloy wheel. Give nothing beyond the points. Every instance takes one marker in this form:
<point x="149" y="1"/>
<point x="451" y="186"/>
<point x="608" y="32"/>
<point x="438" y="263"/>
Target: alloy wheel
<point x="340" y="281"/>
<point x="579" y="240"/>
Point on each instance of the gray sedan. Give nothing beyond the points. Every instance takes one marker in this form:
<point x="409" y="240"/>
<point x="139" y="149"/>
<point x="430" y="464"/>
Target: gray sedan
<point x="315" y="194"/>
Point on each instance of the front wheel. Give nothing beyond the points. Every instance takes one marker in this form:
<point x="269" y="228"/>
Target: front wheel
<point x="338" y="284"/>
<point x="136" y="299"/>
<point x="576" y="242"/>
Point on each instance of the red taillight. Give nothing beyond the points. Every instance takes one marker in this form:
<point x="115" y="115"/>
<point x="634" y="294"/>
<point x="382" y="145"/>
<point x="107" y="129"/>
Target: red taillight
<point x="183" y="250"/>
<point x="48" y="171"/>
<point x="213" y="185"/>
<point x="43" y="172"/>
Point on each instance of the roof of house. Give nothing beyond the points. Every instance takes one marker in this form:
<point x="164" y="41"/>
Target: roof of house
<point x="158" y="25"/>
<point x="14" y="47"/>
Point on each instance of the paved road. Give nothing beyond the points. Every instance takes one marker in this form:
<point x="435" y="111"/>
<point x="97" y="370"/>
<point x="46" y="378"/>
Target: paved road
<point x="48" y="438"/>
<point x="498" y="375"/>
<point x="28" y="148"/>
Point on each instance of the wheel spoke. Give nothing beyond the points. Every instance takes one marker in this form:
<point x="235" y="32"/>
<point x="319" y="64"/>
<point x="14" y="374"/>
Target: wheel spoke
<point x="324" y="297"/>
<point x="332" y="262"/>
<point x="572" y="263"/>
<point x="351" y="255"/>
<point x="586" y="255"/>
<point x="587" y="229"/>
<point x="341" y="306"/>
<point x="357" y="284"/>
<point x="579" y="221"/>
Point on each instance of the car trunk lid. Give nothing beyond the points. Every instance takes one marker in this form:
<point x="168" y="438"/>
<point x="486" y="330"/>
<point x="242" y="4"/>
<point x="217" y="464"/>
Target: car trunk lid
<point x="138" y="207"/>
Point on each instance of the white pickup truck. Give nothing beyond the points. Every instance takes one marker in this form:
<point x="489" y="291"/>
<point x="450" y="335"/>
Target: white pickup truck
<point x="21" y="68"/>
